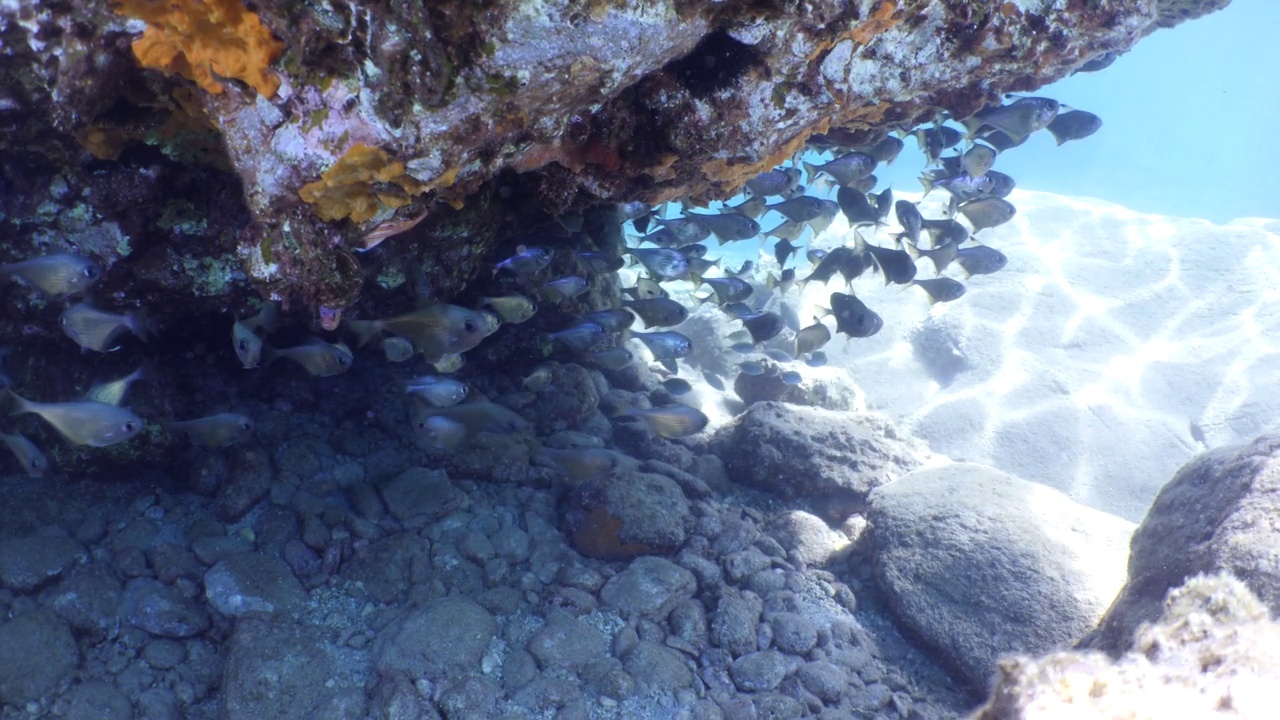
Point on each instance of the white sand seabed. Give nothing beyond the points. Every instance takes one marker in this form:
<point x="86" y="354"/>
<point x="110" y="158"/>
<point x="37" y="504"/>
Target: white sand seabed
<point x="1088" y="357"/>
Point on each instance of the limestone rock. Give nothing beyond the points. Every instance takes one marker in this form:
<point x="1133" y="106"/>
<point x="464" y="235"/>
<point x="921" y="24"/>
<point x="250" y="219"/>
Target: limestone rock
<point x="1218" y="513"/>
<point x="833" y="459"/>
<point x="1214" y="652"/>
<point x="978" y="563"/>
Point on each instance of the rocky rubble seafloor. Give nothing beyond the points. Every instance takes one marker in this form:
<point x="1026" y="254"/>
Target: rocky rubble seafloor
<point x="328" y="568"/>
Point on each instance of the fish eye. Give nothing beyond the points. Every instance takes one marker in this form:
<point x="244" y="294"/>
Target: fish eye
<point x="463" y="391"/>
<point x="91" y="271"/>
<point x="129" y="426"/>
<point x="246" y="425"/>
<point x="242" y="346"/>
<point x="343" y="360"/>
<point x="469" y="325"/>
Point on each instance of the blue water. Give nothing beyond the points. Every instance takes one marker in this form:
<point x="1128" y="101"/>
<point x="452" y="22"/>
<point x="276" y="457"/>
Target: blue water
<point x="1189" y="124"/>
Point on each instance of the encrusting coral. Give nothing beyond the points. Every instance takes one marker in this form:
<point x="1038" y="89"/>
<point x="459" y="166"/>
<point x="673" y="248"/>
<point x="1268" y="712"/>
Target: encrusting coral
<point x="205" y="39"/>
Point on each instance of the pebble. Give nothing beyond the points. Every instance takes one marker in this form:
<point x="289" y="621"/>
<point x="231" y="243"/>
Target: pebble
<point x="97" y="701"/>
<point x="568" y="644"/>
<point x="418" y="497"/>
<point x="28" y="562"/>
<point x="649" y="587"/>
<point x="161" y="610"/>
<point x="37" y="652"/>
<point x="88" y="598"/>
<point x="759" y="671"/>
<point x="825" y="680"/>
<point x="793" y="633"/>
<point x="442" y="638"/>
<point x="657" y="668"/>
<point x="211" y="550"/>
<point x="253" y="582"/>
<point x="164" y="653"/>
<point x="733" y="624"/>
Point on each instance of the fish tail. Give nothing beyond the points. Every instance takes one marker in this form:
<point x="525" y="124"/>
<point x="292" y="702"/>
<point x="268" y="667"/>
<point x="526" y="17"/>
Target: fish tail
<point x="696" y="279"/>
<point x="268" y="355"/>
<point x="704" y="300"/>
<point x="364" y="331"/>
<point x="912" y="249"/>
<point x="21" y="404"/>
<point x="927" y="182"/>
<point x="770" y="282"/>
<point x="811" y="169"/>
<point x="141" y="324"/>
<point x="859" y="244"/>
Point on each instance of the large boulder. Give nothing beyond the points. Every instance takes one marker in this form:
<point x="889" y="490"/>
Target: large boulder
<point x="1214" y="652"/>
<point x="833" y="459"/>
<point x="1218" y="512"/>
<point x="978" y="563"/>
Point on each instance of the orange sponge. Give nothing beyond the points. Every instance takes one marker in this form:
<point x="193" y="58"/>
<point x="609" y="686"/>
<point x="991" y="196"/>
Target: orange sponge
<point x="362" y="181"/>
<point x="204" y="40"/>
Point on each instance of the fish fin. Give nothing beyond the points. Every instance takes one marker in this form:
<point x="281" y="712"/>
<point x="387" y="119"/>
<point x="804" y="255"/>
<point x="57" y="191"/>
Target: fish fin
<point x="364" y="330"/>
<point x="21" y="404"/>
<point x="912" y="249"/>
<point x="810" y="169"/>
<point x="141" y="325"/>
<point x="825" y="312"/>
<point x="927" y="182"/>
<point x="770" y="282"/>
<point x="670" y="365"/>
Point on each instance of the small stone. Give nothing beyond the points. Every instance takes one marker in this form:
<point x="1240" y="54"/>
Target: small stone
<point x="825" y="680"/>
<point x="759" y="671"/>
<point x="627" y="514"/>
<point x="733" y="624"/>
<point x="740" y="565"/>
<point x="445" y="637"/>
<point x="97" y="701"/>
<point x="159" y="703"/>
<point x="793" y="633"/>
<point x="518" y="670"/>
<point x="88" y="598"/>
<point x="475" y="547"/>
<point x="250" y="480"/>
<point x="871" y="698"/>
<point x="512" y="544"/>
<point x="211" y="550"/>
<point x="657" y="668"/>
<point x="253" y="582"/>
<point x="689" y="622"/>
<point x="279" y="669"/>
<point x="164" y="653"/>
<point x="418" y="497"/>
<point x="162" y="610"/>
<point x="650" y="587"/>
<point x="28" y="562"/>
<point x="567" y="643"/>
<point x="37" y="652"/>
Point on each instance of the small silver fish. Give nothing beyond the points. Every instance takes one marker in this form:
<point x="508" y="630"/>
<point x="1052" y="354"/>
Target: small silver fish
<point x="33" y="462"/>
<point x="57" y="275"/>
<point x="513" y="309"/>
<point x="566" y="288"/>
<point x="397" y="349"/>
<point x="220" y="430"/>
<point x="319" y="358"/>
<point x="449" y="363"/>
<point x="676" y="421"/>
<point x="579" y="338"/>
<point x="245" y="338"/>
<point x="93" y="329"/>
<point x="526" y="261"/>
<point x="435" y="330"/>
<point x="85" y="422"/>
<point x="436" y="390"/>
<point x="537" y="380"/>
<point x="440" y="433"/>
<point x="791" y="377"/>
<point x="612" y="359"/>
<point x="978" y="159"/>
<point x="113" y="392"/>
<point x="577" y="464"/>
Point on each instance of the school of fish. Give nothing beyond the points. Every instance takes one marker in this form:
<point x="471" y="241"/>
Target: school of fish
<point x="669" y="248"/>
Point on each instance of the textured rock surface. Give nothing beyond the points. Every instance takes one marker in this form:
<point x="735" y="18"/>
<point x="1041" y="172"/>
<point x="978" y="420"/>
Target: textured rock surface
<point x="1218" y="513"/>
<point x="978" y="563"/>
<point x="612" y="99"/>
<point x="1213" y="652"/>
<point x="830" y="458"/>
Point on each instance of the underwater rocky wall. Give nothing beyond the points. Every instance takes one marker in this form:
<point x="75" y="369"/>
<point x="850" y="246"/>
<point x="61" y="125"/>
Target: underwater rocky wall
<point x="209" y="151"/>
